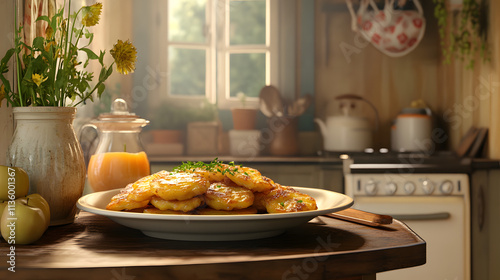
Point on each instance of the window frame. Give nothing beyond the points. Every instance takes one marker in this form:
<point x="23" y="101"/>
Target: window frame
<point x="225" y="49"/>
<point x="218" y="51"/>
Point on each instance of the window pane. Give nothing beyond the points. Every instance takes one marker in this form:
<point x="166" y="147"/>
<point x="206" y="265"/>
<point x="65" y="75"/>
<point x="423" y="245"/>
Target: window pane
<point x="187" y="20"/>
<point x="248" y="22"/>
<point x="247" y="73"/>
<point x="187" y="71"/>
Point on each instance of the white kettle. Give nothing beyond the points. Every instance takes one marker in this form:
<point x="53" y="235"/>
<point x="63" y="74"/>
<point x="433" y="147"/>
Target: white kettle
<point x="347" y="132"/>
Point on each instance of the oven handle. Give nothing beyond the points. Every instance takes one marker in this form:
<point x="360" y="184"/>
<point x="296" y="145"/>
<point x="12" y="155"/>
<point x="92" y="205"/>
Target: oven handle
<point x="430" y="216"/>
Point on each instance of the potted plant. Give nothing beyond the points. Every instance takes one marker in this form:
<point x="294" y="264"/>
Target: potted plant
<point x="464" y="34"/>
<point x="203" y="130"/>
<point x="244" y="118"/>
<point x="168" y="123"/>
<point x="51" y="79"/>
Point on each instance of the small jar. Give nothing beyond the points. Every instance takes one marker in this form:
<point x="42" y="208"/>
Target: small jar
<point x="119" y="158"/>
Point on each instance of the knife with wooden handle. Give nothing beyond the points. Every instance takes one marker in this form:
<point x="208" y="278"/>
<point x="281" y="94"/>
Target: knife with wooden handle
<point x="361" y="217"/>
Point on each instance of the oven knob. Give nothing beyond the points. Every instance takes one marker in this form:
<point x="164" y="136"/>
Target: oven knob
<point x="371" y="188"/>
<point x="391" y="188"/>
<point x="446" y="187"/>
<point x="428" y="186"/>
<point x="409" y="188"/>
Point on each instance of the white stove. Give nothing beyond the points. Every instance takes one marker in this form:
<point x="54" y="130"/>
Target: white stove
<point x="434" y="205"/>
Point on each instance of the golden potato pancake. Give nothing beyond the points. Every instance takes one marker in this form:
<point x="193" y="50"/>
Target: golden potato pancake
<point x="142" y="188"/>
<point x="121" y="201"/>
<point x="212" y="175"/>
<point x="221" y="196"/>
<point x="259" y="201"/>
<point x="210" y="211"/>
<point x="285" y="199"/>
<point x="180" y="186"/>
<point x="165" y="212"/>
<point x="178" y="205"/>
<point x="250" y="178"/>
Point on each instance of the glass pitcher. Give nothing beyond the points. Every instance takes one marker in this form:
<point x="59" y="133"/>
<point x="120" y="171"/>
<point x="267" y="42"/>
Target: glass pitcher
<point x="119" y="158"/>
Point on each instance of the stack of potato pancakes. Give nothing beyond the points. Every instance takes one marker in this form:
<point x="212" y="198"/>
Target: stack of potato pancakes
<point x="212" y="188"/>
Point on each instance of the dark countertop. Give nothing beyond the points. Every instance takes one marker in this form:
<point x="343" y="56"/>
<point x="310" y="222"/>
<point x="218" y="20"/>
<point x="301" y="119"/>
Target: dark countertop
<point x="244" y="160"/>
<point x="484" y="164"/>
<point x="359" y="163"/>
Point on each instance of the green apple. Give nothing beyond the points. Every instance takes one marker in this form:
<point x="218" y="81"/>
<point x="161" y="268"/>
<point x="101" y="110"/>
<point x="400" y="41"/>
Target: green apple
<point x="3" y="205"/>
<point x="36" y="200"/>
<point x="14" y="182"/>
<point x="21" y="223"/>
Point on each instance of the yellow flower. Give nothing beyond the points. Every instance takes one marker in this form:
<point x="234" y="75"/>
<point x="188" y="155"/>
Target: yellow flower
<point x="49" y="45"/>
<point x="125" y="55"/>
<point x="38" y="79"/>
<point x="64" y="28"/>
<point x="2" y="94"/>
<point x="91" y="14"/>
<point x="49" y="32"/>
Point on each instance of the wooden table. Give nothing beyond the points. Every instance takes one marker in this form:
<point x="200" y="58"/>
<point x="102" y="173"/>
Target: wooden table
<point x="95" y="247"/>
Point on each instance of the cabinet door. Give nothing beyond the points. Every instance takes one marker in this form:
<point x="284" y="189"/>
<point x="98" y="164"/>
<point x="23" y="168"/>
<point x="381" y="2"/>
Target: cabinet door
<point x="290" y="175"/>
<point x="331" y="178"/>
<point x="492" y="213"/>
<point x="485" y="228"/>
<point x="299" y="175"/>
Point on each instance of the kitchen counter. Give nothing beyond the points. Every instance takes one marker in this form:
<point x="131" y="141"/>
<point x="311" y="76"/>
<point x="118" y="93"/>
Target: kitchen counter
<point x="94" y="247"/>
<point x="245" y="160"/>
<point x="443" y="163"/>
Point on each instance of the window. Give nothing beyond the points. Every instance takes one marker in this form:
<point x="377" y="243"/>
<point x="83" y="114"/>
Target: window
<point x="215" y="49"/>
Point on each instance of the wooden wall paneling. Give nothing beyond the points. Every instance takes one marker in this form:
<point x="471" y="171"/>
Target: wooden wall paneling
<point x="494" y="41"/>
<point x="472" y="95"/>
<point x="7" y="42"/>
<point x="355" y="66"/>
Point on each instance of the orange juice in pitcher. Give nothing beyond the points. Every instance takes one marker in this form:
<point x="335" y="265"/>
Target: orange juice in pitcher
<point x="119" y="158"/>
<point x="116" y="169"/>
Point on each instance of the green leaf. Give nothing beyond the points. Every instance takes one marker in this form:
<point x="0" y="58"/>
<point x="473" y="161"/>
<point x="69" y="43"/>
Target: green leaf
<point x="100" y="90"/>
<point x="7" y="56"/>
<point x="38" y="43"/>
<point x="6" y="84"/>
<point x="91" y="38"/>
<point x="110" y="71"/>
<point x="90" y="53"/>
<point x="43" y="18"/>
<point x="102" y="74"/>
<point x="101" y="57"/>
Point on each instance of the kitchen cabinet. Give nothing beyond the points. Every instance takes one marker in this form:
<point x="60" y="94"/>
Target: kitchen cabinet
<point x="485" y="209"/>
<point x="291" y="172"/>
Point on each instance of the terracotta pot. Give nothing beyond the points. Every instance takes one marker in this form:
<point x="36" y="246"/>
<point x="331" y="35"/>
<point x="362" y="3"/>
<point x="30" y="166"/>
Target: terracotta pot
<point x="45" y="146"/>
<point x="167" y="136"/>
<point x="244" y="118"/>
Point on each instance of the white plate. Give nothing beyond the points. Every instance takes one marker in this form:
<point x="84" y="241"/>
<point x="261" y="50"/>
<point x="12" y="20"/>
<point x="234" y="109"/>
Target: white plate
<point x="215" y="227"/>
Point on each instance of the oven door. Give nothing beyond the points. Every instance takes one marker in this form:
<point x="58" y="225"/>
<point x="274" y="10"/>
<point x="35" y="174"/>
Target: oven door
<point x="443" y="222"/>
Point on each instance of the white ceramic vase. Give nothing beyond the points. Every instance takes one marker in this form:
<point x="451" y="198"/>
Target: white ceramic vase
<point x="45" y="146"/>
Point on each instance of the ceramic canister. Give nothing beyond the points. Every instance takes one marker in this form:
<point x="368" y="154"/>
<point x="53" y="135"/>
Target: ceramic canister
<point x="412" y="133"/>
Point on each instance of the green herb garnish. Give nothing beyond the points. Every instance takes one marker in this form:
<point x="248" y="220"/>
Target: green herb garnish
<point x="214" y="166"/>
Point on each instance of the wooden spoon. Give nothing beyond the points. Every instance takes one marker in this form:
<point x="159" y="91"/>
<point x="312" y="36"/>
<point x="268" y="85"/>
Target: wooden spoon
<point x="271" y="102"/>
<point x="300" y="105"/>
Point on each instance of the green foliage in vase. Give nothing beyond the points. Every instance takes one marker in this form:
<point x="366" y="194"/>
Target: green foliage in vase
<point x="48" y="69"/>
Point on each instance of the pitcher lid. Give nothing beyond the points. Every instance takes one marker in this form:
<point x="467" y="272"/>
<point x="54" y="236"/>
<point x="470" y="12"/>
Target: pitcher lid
<point x="120" y="116"/>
